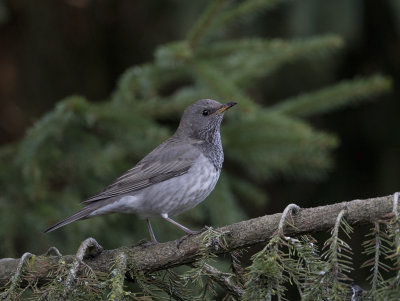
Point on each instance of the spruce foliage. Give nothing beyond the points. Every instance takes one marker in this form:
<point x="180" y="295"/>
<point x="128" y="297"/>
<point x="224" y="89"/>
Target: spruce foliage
<point x="79" y="147"/>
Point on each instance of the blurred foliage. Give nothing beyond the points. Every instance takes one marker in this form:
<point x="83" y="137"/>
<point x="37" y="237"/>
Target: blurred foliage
<point x="4" y="13"/>
<point x="79" y="147"/>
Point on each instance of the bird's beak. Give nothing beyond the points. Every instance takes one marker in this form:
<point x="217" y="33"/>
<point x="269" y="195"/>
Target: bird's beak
<point x="225" y="107"/>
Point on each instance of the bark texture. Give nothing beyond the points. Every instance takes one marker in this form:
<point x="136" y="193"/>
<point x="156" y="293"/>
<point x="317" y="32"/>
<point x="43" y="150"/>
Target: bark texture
<point x="238" y="235"/>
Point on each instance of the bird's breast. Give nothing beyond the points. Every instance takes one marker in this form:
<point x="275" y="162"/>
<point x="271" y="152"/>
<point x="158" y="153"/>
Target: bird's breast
<point x="203" y="176"/>
<point x="181" y="193"/>
<point x="195" y="186"/>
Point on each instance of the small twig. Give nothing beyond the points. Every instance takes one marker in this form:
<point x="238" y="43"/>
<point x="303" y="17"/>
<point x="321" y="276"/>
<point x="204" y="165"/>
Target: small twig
<point x="396" y="204"/>
<point x="289" y="208"/>
<point x="336" y="246"/>
<point x="275" y="245"/>
<point x="43" y="296"/>
<point x="17" y="275"/>
<point x="225" y="280"/>
<point x="214" y="240"/>
<point x="53" y="249"/>
<point x="118" y="277"/>
<point x="237" y="267"/>
<point x="396" y="233"/>
<point x="376" y="257"/>
<point x="87" y="247"/>
<point x="335" y="230"/>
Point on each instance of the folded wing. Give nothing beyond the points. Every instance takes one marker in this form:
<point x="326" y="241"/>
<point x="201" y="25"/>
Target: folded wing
<point x="154" y="168"/>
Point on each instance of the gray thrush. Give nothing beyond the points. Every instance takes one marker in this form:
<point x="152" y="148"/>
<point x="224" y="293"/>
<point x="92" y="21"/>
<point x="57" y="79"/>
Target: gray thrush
<point x="176" y="176"/>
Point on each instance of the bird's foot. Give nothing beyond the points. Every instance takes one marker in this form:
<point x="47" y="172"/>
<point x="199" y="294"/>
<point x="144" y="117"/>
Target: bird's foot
<point x="190" y="233"/>
<point x="180" y="240"/>
<point x="144" y="243"/>
<point x="205" y="228"/>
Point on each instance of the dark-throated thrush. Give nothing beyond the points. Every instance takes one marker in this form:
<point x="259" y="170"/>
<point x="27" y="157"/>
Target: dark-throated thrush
<point x="175" y="177"/>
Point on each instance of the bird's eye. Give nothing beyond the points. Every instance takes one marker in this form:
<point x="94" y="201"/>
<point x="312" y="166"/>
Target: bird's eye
<point x="205" y="112"/>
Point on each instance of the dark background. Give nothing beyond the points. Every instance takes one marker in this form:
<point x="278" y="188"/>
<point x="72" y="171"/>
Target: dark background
<point x="53" y="49"/>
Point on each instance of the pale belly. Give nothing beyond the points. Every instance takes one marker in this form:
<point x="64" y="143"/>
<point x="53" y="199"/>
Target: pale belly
<point x="179" y="194"/>
<point x="170" y="197"/>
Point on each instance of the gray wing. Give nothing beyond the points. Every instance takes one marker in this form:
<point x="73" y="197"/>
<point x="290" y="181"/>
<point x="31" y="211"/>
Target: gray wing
<point x="160" y="165"/>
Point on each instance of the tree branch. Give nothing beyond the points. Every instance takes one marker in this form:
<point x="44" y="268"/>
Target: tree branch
<point x="236" y="236"/>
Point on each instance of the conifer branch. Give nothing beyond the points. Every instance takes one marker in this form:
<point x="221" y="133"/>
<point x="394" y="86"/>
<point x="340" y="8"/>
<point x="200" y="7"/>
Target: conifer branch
<point x="224" y="279"/>
<point x="200" y="28"/>
<point x="118" y="277"/>
<point x="395" y="233"/>
<point x="289" y="209"/>
<point x="245" y="8"/>
<point x="55" y="250"/>
<point x="235" y="236"/>
<point x="375" y="247"/>
<point x="335" y="96"/>
<point x="16" y="278"/>
<point x="87" y="247"/>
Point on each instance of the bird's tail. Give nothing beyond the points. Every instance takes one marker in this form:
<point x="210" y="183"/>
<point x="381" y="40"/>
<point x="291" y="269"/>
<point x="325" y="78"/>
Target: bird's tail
<point x="81" y="214"/>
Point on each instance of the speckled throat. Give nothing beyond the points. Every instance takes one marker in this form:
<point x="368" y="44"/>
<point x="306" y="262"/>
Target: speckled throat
<point x="213" y="151"/>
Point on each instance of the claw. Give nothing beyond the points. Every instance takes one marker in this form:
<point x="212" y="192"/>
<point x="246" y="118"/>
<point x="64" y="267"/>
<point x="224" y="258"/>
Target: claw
<point x="182" y="239"/>
<point x="145" y="245"/>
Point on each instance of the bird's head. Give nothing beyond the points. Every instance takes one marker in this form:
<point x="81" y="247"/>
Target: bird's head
<point x="202" y="119"/>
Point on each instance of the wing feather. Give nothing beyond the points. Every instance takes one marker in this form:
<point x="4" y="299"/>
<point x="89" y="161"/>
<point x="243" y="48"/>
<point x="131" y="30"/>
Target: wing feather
<point x="156" y="167"/>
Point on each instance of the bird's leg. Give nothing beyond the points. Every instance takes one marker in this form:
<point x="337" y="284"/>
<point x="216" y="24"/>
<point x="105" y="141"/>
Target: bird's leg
<point x="187" y="230"/>
<point x="153" y="237"/>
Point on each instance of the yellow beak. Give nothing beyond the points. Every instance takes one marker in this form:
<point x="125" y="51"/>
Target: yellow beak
<point x="225" y="107"/>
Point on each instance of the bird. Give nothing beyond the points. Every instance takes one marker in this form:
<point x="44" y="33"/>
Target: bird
<point x="175" y="177"/>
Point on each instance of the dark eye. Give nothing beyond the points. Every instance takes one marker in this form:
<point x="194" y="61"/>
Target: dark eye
<point x="205" y="112"/>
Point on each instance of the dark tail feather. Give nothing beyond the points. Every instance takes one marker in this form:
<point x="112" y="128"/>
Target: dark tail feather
<point x="81" y="214"/>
